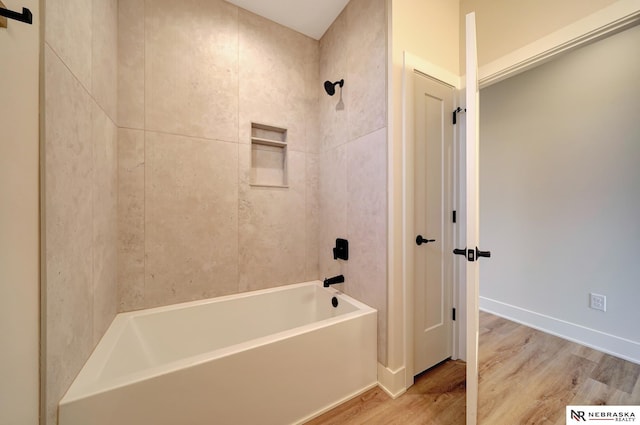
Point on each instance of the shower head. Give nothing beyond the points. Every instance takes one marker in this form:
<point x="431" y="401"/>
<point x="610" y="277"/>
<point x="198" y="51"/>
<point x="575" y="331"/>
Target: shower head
<point x="330" y="87"/>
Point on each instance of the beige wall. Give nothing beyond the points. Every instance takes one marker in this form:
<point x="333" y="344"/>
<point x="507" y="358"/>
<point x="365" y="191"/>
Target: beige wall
<point x="193" y="77"/>
<point x="427" y="29"/>
<point x="19" y="218"/>
<point x="353" y="155"/>
<point x="80" y="187"/>
<point x="505" y="25"/>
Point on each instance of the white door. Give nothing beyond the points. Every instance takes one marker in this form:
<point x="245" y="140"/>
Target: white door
<point x="471" y="251"/>
<point x="433" y="278"/>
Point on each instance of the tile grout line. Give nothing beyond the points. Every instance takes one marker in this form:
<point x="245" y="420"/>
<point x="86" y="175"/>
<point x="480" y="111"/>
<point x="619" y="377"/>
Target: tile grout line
<point x="238" y="162"/>
<point x="144" y="153"/>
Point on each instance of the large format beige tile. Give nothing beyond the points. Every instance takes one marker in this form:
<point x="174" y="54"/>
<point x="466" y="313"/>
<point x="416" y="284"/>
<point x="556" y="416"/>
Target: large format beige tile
<point x="131" y="63"/>
<point x="333" y="67"/>
<point x="312" y="208"/>
<point x="353" y="154"/>
<point x="130" y="219"/>
<point x="367" y="226"/>
<point x="367" y="66"/>
<point x="105" y="222"/>
<point x="104" y="57"/>
<point x="191" y="68"/>
<point x="69" y="32"/>
<point x="272" y="228"/>
<point x="191" y="218"/>
<point x="313" y="90"/>
<point x="68" y="228"/>
<point x="272" y="78"/>
<point x="333" y="209"/>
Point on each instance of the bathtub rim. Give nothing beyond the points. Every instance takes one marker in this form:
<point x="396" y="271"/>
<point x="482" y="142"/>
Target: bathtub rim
<point x="87" y="382"/>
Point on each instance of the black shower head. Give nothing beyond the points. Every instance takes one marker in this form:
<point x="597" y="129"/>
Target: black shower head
<point x="330" y="87"/>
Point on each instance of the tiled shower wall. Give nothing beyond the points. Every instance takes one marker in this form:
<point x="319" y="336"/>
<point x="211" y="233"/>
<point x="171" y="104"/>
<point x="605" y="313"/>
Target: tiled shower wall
<point x="79" y="204"/>
<point x="183" y="81"/>
<point x="193" y="76"/>
<point x="353" y="155"/>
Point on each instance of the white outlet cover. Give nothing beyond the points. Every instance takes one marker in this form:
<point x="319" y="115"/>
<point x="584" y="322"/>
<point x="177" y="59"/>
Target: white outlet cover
<point x="598" y="302"/>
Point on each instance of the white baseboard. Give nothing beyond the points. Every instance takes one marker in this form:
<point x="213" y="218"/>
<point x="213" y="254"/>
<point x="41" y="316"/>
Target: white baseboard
<point x="601" y="341"/>
<point x="393" y="382"/>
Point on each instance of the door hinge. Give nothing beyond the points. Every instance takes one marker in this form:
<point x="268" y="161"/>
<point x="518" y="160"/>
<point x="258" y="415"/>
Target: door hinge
<point x="457" y="111"/>
<point x="454" y="314"/>
<point x="454" y="216"/>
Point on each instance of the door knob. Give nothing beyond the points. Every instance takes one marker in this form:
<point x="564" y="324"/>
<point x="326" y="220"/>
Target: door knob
<point x="486" y="254"/>
<point x="420" y="240"/>
<point x="469" y="253"/>
<point x="472" y="255"/>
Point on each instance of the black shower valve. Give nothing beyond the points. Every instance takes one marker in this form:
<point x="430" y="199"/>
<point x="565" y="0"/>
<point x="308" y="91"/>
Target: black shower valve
<point x="341" y="250"/>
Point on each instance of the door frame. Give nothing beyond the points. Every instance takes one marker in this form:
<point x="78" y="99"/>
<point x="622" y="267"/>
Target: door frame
<point x="412" y="63"/>
<point x="607" y="21"/>
<point x="20" y="216"/>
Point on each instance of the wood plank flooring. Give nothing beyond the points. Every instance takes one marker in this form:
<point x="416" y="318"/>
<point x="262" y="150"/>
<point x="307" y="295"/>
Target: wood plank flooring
<point x="526" y="377"/>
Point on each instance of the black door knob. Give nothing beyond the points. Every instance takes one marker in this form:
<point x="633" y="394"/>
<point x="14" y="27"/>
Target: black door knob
<point x="486" y="254"/>
<point x="460" y="251"/>
<point x="420" y="240"/>
<point x="472" y="255"/>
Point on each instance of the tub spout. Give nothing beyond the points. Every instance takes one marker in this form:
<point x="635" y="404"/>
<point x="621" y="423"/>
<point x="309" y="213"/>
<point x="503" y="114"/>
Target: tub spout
<point x="333" y="280"/>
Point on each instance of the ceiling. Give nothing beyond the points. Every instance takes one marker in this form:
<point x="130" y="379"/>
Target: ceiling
<point x="310" y="17"/>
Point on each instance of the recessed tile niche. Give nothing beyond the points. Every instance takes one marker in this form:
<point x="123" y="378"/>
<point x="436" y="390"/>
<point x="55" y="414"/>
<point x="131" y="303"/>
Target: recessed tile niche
<point x="268" y="156"/>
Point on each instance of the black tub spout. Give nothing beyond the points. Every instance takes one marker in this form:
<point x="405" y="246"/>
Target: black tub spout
<point x="333" y="280"/>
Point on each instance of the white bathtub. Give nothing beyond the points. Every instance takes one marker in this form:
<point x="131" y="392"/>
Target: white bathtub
<point x="276" y="356"/>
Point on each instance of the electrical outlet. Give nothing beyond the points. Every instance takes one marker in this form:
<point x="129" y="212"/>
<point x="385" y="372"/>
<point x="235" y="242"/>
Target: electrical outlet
<point x="598" y="302"/>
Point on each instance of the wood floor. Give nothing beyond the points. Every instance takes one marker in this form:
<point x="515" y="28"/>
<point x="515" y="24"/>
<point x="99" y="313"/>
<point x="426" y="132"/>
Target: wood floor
<point x="526" y="377"/>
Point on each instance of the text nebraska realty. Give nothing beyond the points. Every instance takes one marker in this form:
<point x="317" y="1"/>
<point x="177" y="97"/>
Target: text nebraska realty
<point x="603" y="416"/>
